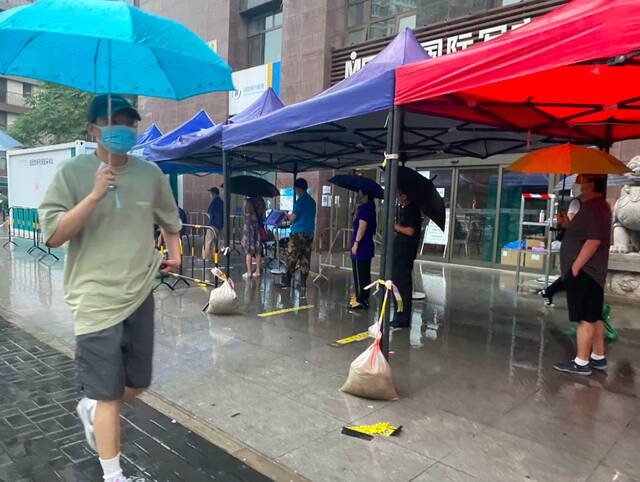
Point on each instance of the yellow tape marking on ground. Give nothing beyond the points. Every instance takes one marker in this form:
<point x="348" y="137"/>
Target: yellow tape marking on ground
<point x="286" y="310"/>
<point x="383" y="428"/>
<point x="351" y="339"/>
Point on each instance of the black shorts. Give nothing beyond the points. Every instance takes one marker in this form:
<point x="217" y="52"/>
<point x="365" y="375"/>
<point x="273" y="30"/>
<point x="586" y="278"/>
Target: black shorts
<point x="585" y="297"/>
<point x="120" y="356"/>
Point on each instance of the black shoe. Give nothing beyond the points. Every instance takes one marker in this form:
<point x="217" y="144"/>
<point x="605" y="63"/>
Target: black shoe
<point x="598" y="364"/>
<point x="548" y="300"/>
<point x="573" y="367"/>
<point x="400" y="324"/>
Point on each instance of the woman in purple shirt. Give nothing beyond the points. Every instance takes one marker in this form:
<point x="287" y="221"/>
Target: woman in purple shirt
<point x="362" y="248"/>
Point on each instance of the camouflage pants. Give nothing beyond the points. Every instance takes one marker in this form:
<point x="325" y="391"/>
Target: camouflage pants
<point x="299" y="252"/>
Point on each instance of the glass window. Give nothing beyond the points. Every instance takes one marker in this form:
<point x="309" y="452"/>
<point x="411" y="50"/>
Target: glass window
<point x="255" y="51"/>
<point x="381" y="29"/>
<point x="27" y="89"/>
<point x="407" y="22"/>
<point x="509" y="2"/>
<point x="272" y="45"/>
<point x="379" y="18"/>
<point x="265" y="38"/>
<point x="356" y="36"/>
<point x="355" y="15"/>
<point x="475" y="215"/>
<point x="3" y="121"/>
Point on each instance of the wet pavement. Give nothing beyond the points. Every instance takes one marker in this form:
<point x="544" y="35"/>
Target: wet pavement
<point x="41" y="437"/>
<point x="479" y="399"/>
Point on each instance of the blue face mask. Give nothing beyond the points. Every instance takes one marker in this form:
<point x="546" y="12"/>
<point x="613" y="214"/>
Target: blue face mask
<point x="118" y="139"/>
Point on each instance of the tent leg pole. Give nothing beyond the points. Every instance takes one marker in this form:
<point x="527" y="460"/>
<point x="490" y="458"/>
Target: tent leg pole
<point x="394" y="135"/>
<point x="227" y="209"/>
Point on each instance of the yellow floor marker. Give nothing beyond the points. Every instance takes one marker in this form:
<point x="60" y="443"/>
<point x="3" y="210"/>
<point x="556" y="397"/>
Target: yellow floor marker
<point x="351" y="339"/>
<point x="286" y="310"/>
<point x="367" y="432"/>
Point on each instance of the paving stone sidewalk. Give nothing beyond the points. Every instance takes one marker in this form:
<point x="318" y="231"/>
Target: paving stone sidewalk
<point x="41" y="439"/>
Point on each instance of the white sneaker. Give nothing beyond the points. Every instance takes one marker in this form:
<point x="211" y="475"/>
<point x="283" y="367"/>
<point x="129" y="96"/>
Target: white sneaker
<point x="86" y="410"/>
<point x="246" y="276"/>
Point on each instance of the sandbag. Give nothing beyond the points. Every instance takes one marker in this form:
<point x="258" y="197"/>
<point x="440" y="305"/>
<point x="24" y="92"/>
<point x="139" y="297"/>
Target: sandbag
<point x="370" y="376"/>
<point x="223" y="300"/>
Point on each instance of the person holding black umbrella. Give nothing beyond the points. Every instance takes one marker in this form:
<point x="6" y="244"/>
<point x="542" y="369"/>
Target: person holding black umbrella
<point x="252" y="239"/>
<point x="405" y="250"/>
<point x="363" y="248"/>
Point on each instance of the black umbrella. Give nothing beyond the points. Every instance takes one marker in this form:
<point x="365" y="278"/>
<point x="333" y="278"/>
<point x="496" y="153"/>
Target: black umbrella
<point x="353" y="182"/>
<point x="422" y="192"/>
<point x="252" y="186"/>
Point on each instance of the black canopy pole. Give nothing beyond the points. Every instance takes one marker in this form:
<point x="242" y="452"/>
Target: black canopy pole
<point x="394" y="138"/>
<point x="227" y="209"/>
<point x="295" y="176"/>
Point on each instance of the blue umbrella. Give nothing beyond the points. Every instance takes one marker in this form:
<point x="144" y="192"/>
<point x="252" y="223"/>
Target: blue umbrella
<point x="108" y="47"/>
<point x="358" y="183"/>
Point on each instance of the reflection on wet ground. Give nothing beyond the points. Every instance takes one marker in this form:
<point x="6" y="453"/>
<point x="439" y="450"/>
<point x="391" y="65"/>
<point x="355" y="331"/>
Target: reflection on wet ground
<point x="479" y="397"/>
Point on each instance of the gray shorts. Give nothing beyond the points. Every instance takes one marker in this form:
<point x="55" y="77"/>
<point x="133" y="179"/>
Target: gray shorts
<point x="121" y="356"/>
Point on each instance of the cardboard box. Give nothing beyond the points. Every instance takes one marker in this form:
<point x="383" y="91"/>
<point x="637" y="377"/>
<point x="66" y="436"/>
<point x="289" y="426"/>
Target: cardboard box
<point x="534" y="260"/>
<point x="509" y="257"/>
<point x="534" y="243"/>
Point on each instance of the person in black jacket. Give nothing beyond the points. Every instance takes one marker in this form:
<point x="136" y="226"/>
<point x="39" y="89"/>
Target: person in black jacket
<point x="405" y="250"/>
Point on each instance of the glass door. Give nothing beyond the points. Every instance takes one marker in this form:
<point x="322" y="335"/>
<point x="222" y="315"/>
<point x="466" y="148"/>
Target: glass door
<point x="475" y="215"/>
<point x="434" y="240"/>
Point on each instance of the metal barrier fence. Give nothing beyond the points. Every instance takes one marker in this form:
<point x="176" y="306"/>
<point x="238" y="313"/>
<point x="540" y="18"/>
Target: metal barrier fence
<point x="199" y="250"/>
<point x="24" y="223"/>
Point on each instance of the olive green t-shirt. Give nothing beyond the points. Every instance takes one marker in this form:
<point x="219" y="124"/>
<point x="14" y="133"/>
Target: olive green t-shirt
<point x="111" y="263"/>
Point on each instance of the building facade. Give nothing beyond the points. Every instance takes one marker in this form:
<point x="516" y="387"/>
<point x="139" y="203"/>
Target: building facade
<point x="302" y="47"/>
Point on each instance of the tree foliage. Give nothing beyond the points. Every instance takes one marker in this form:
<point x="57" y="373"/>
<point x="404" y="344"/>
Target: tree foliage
<point x="57" y="115"/>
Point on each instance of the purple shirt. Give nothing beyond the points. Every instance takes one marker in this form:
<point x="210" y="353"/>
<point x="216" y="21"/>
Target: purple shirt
<point x="366" y="247"/>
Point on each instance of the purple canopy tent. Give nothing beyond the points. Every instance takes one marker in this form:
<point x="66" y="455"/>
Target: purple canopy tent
<point x="186" y="145"/>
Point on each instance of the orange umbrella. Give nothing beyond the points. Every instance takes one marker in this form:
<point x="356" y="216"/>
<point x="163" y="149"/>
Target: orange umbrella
<point x="569" y="159"/>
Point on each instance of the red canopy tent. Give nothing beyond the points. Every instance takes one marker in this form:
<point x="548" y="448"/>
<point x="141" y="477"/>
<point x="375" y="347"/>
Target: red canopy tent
<point x="573" y="73"/>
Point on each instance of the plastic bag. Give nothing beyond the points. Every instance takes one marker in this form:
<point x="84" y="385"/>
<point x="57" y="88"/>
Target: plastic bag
<point x="223" y="300"/>
<point x="370" y="375"/>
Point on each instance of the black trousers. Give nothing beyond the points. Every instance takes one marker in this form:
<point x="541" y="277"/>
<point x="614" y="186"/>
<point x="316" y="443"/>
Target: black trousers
<point x="555" y="287"/>
<point x="402" y="277"/>
<point x="361" y="279"/>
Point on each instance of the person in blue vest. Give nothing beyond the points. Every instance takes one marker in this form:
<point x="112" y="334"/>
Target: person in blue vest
<point x="303" y="226"/>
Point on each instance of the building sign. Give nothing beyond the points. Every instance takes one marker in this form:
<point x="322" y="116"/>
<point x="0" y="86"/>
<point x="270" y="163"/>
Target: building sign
<point x="250" y="83"/>
<point x="443" y="45"/>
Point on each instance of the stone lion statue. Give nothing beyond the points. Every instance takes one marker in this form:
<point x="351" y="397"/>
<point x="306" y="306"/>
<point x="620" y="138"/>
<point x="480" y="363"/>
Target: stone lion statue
<point x="626" y="214"/>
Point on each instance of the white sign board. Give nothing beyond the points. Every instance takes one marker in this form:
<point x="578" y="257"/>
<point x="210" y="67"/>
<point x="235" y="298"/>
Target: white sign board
<point x="251" y="83"/>
<point x="30" y="171"/>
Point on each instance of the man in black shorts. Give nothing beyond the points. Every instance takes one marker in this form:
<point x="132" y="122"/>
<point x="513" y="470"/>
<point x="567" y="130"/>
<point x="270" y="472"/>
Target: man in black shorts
<point x="584" y="259"/>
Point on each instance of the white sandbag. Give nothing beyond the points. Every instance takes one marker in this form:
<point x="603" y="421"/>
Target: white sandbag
<point x="223" y="300"/>
<point x="370" y="376"/>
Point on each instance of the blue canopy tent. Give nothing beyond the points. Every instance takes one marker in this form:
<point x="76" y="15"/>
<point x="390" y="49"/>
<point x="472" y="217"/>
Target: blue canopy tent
<point x="198" y="122"/>
<point x="7" y="142"/>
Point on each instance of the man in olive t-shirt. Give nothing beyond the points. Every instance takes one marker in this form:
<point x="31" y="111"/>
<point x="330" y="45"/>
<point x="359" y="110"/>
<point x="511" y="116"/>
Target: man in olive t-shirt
<point x="104" y="207"/>
<point x="584" y="259"/>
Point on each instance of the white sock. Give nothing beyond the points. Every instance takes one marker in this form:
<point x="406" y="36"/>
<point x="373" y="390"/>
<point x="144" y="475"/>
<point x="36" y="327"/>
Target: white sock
<point x="597" y="357"/>
<point x="580" y="362"/>
<point x="111" y="468"/>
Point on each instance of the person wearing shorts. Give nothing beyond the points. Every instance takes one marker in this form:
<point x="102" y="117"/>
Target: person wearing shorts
<point x="584" y="260"/>
<point x="104" y="206"/>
